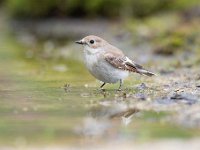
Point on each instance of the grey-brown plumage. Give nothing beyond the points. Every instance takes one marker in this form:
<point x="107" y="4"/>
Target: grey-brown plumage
<point x="108" y="63"/>
<point x="124" y="63"/>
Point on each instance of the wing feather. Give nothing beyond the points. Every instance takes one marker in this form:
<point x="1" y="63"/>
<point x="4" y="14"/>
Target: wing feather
<point x="124" y="63"/>
<point x="121" y="62"/>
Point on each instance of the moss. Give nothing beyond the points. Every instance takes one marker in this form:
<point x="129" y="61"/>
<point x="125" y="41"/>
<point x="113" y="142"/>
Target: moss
<point x="170" y="45"/>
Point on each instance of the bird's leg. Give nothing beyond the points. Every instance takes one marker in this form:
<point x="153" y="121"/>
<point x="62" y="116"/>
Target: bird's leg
<point x="120" y="85"/>
<point x="102" y="85"/>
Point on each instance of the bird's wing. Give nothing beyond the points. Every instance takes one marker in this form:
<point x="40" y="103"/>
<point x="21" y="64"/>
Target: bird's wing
<point x="122" y="62"/>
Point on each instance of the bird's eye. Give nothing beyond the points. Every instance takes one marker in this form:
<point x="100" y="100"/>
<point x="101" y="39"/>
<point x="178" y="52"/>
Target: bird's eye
<point x="91" y="41"/>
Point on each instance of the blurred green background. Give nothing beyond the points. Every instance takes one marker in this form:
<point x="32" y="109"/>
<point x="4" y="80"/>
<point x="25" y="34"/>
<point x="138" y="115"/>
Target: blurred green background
<point x="93" y="8"/>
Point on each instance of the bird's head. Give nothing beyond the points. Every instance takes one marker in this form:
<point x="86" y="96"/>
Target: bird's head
<point x="92" y="43"/>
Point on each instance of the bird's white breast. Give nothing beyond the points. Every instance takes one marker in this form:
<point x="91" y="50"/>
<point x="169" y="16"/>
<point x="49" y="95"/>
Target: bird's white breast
<point x="101" y="69"/>
<point x="91" y="59"/>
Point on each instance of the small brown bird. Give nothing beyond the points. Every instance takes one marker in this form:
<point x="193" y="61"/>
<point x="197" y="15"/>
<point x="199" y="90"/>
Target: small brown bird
<point x="108" y="63"/>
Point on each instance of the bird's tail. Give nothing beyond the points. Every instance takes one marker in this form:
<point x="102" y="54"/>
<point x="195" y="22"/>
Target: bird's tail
<point x="145" y="72"/>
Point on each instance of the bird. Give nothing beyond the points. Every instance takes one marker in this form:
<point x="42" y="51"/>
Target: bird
<point x="107" y="63"/>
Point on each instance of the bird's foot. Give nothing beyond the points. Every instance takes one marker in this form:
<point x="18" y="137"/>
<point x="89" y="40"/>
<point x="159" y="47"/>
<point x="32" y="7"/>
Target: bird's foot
<point x="119" y="89"/>
<point x="120" y="85"/>
<point x="102" y="90"/>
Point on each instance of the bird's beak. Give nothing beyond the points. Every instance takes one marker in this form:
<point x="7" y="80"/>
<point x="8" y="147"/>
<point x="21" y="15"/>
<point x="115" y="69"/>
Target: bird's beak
<point x="80" y="42"/>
